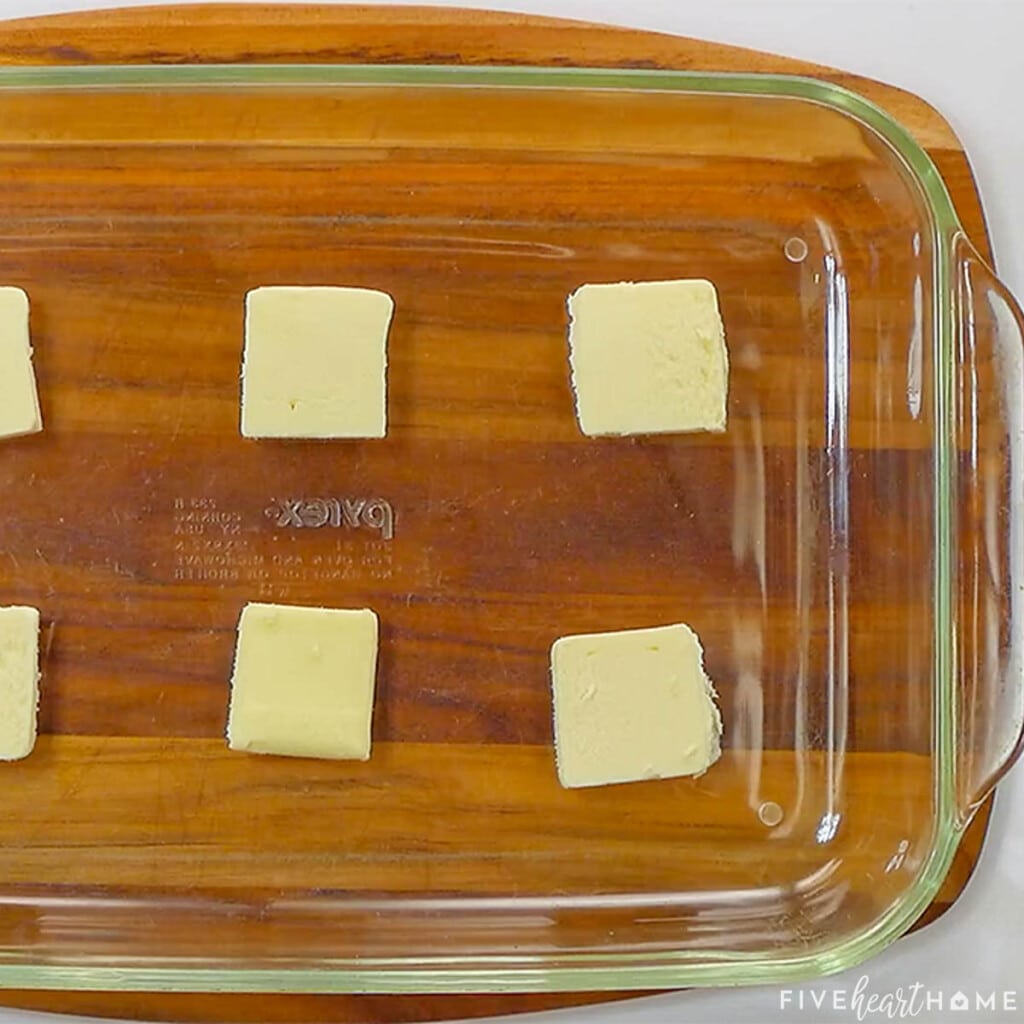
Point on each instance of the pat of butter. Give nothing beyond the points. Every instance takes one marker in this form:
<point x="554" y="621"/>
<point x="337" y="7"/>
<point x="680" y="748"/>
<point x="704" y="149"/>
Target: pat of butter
<point x="631" y="705"/>
<point x="303" y="682"/>
<point x="315" y="362"/>
<point x="19" y="399"/>
<point x="19" y="681"/>
<point x="648" y="358"/>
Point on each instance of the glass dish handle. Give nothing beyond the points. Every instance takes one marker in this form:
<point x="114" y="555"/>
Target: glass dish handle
<point x="988" y="566"/>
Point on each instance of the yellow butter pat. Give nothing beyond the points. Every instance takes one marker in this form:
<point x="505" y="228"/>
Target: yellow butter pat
<point x="315" y="362"/>
<point x="648" y="358"/>
<point x="19" y="397"/>
<point x="631" y="705"/>
<point x="19" y="681"/>
<point x="303" y="681"/>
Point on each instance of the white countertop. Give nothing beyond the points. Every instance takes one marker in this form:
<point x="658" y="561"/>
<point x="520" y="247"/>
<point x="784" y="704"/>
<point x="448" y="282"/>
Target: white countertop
<point x="964" y="57"/>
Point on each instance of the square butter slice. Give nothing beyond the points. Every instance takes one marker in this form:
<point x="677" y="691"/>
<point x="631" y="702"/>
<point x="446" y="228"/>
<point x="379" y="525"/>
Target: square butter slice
<point x="648" y="358"/>
<point x="315" y="362"/>
<point x="19" y="397"/>
<point x="631" y="705"/>
<point x="303" y="682"/>
<point x="19" y="681"/>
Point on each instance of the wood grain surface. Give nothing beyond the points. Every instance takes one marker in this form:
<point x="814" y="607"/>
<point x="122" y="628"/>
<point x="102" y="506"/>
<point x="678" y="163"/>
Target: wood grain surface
<point x="479" y="579"/>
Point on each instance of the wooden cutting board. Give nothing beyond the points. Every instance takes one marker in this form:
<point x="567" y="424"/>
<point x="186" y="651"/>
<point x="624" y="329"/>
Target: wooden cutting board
<point x="259" y="34"/>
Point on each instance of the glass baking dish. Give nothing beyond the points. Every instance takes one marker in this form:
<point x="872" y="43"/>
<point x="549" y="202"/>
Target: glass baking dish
<point x="845" y="549"/>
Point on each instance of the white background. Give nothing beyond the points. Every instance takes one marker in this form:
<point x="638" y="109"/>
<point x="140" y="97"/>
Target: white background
<point x="967" y="58"/>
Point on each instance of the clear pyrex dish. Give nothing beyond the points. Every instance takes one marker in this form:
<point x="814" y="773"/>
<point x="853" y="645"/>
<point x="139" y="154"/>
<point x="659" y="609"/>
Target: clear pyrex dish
<point x="845" y="549"/>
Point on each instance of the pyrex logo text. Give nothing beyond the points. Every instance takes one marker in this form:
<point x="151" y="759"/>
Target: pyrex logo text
<point x="352" y="513"/>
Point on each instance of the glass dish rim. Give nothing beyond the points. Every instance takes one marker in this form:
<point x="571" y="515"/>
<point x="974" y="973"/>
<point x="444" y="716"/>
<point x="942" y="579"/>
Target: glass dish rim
<point x="583" y="971"/>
